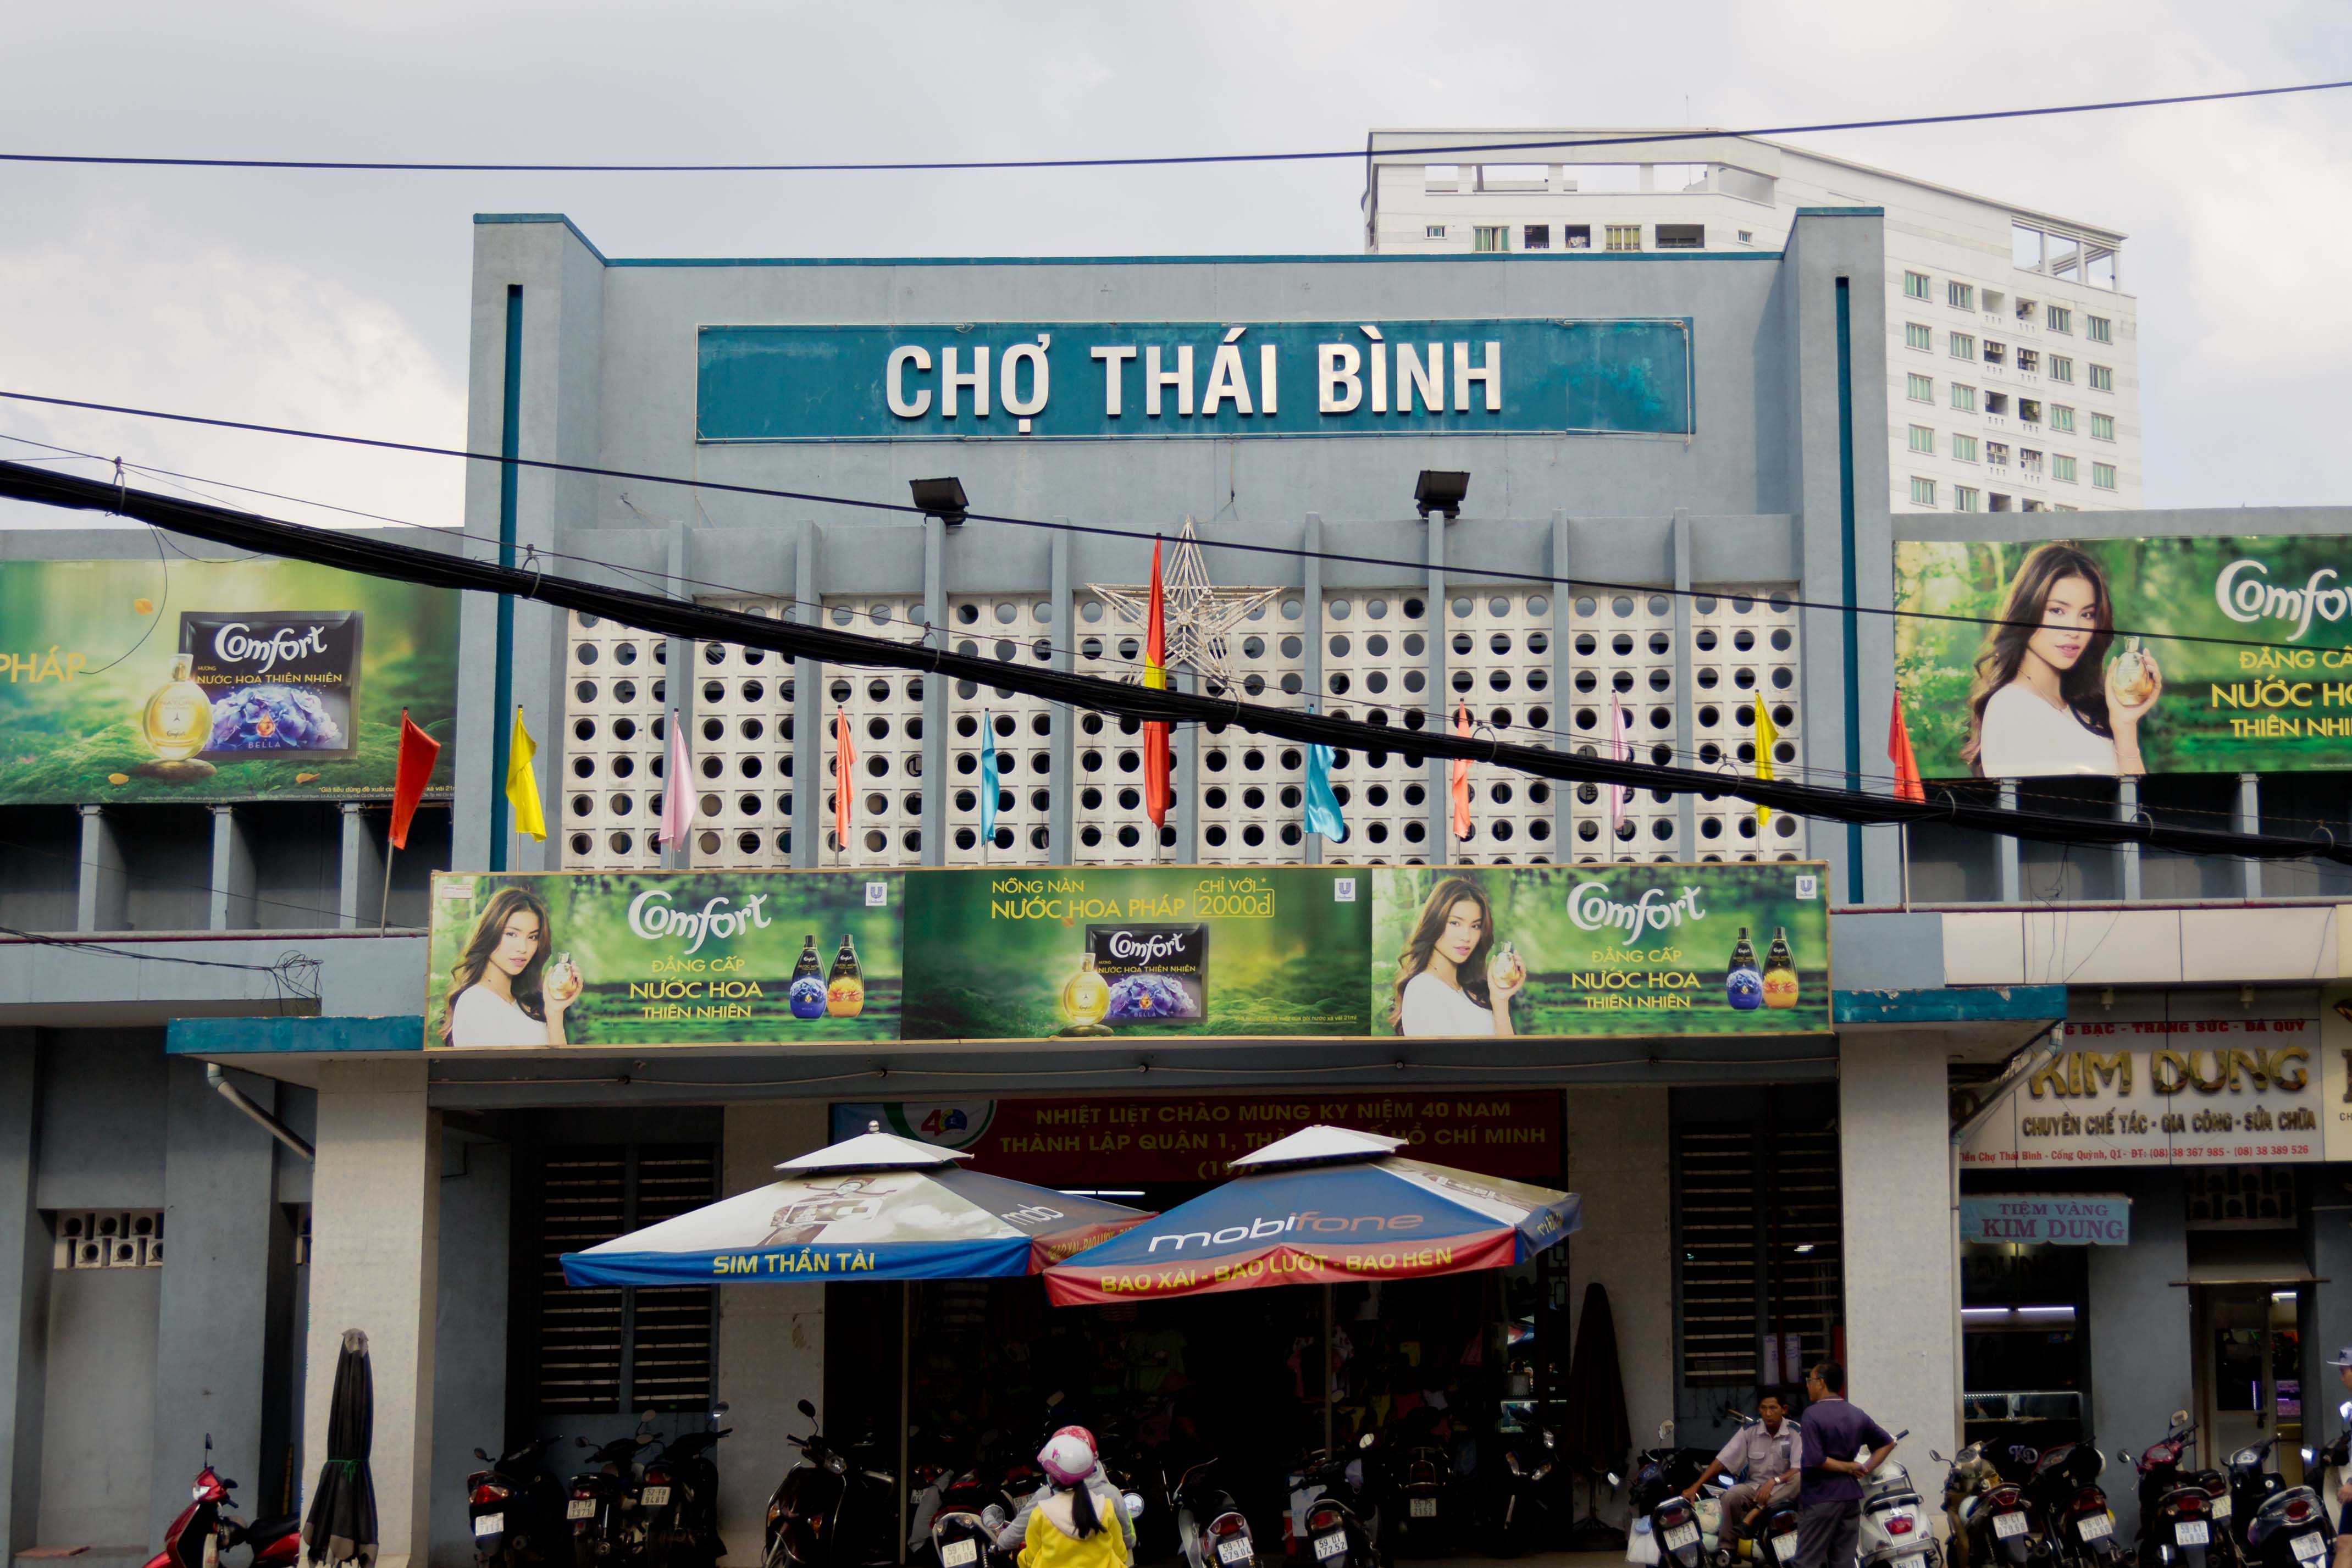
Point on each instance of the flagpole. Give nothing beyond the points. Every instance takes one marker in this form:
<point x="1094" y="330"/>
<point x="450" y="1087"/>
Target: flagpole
<point x="383" y="908"/>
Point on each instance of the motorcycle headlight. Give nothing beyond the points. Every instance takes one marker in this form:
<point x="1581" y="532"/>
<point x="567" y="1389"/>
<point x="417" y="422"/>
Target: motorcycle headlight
<point x="838" y="1464"/>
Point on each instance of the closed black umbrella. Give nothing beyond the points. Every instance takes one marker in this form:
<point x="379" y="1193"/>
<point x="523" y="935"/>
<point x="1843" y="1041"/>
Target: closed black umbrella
<point x="1594" y="1433"/>
<point x="341" y="1524"/>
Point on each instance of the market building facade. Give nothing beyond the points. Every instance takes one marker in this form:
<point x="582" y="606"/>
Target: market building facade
<point x="1675" y="470"/>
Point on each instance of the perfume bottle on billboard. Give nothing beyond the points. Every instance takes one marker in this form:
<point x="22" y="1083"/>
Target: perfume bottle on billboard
<point x="1743" y="987"/>
<point x="844" y="989"/>
<point x="1779" y="972"/>
<point x="807" y="993"/>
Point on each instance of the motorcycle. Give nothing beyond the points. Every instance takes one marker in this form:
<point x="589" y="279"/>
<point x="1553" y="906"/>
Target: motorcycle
<point x="206" y="1529"/>
<point x="602" y="1503"/>
<point x="833" y="1509"/>
<point x="1332" y="1508"/>
<point x="1993" y="1523"/>
<point x="1418" y="1475"/>
<point x="679" y="1504"/>
<point x="1210" y="1532"/>
<point x="2064" y="1487"/>
<point x="1515" y="1489"/>
<point x="2253" y="1482"/>
<point x="2291" y="1531"/>
<point x="2180" y="1511"/>
<point x="1668" y="1529"/>
<point x="517" y="1508"/>
<point x="1893" y="1532"/>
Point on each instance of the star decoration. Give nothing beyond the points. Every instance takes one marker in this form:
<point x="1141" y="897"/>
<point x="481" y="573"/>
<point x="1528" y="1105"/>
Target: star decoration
<point x="1199" y="617"/>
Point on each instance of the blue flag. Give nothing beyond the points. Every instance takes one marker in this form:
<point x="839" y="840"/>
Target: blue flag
<point x="987" y="778"/>
<point x="1322" y="806"/>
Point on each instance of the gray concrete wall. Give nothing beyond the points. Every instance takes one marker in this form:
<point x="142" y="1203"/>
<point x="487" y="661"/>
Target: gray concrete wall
<point x="469" y="1337"/>
<point x="2142" y="1358"/>
<point x="24" y="1243"/>
<point x="100" y="1468"/>
<point x="1617" y="1143"/>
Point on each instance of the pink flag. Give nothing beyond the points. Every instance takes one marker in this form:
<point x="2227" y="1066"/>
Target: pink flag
<point x="1619" y="750"/>
<point x="677" y="794"/>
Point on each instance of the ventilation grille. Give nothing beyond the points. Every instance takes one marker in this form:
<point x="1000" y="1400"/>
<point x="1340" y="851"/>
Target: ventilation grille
<point x="1758" y="1250"/>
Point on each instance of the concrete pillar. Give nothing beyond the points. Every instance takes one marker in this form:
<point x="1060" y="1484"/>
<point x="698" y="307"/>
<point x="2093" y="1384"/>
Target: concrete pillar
<point x="1443" y="849"/>
<point x="103" y="899"/>
<point x="375" y="1199"/>
<point x="24" y="1289"/>
<point x="1902" y="1288"/>
<point x="808" y="712"/>
<point x="1614" y="1137"/>
<point x="220" y="1175"/>
<point x="934" y="821"/>
<point x="2012" y="880"/>
<point x="469" y="1362"/>
<point x="2143" y="1364"/>
<point x="1310" y="599"/>
<point x="233" y="876"/>
<point x="1061" y="828"/>
<point x="1563" y="679"/>
<point x="358" y="899"/>
<point x="770" y="1337"/>
<point x="1686" y="693"/>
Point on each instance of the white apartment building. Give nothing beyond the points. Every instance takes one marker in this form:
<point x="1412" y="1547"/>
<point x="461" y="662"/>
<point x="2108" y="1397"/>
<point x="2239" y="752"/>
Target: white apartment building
<point x="2012" y="351"/>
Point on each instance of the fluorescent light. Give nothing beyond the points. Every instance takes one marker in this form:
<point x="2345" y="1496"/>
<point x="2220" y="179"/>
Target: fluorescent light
<point x="1100" y="1191"/>
<point x="2053" y="1314"/>
<point x="1803" y="1247"/>
<point x="2282" y="1295"/>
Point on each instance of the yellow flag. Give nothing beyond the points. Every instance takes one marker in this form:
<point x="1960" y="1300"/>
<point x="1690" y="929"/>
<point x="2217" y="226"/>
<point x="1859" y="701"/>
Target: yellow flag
<point x="1765" y="736"/>
<point x="522" y="784"/>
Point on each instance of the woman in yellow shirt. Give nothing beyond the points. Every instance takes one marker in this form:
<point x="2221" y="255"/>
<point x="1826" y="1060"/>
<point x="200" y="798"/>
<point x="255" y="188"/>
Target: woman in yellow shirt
<point x="1068" y="1530"/>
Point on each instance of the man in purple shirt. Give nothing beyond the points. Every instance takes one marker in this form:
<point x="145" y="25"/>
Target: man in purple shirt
<point x="1829" y="1497"/>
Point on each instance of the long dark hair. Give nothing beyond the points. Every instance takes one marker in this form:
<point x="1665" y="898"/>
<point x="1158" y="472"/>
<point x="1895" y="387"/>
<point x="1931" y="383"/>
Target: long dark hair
<point x="1429" y="928"/>
<point x="1083" y="1517"/>
<point x="505" y="905"/>
<point x="2084" y="687"/>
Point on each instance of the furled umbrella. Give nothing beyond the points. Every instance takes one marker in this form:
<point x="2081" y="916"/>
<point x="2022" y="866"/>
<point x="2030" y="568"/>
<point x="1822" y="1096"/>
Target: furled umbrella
<point x="341" y="1524"/>
<point x="1595" y="1432"/>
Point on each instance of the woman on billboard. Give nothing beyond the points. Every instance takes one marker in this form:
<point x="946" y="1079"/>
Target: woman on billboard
<point x="1445" y="988"/>
<point x="500" y="993"/>
<point x="2045" y="700"/>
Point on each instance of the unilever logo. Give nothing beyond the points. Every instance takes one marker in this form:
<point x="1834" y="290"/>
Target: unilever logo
<point x="236" y="644"/>
<point x="652" y="918"/>
<point x="1147" y="949"/>
<point x="1591" y="907"/>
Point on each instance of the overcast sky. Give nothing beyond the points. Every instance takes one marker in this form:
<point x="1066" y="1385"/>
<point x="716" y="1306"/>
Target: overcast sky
<point x="338" y="301"/>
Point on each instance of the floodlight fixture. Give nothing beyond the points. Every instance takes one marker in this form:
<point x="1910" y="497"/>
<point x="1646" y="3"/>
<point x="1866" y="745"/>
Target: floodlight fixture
<point x="940" y="498"/>
<point x="1440" y="490"/>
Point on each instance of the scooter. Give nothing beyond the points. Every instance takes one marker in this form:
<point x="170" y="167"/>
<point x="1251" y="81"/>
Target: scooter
<point x="517" y="1509"/>
<point x="2253" y="1482"/>
<point x="2177" y="1523"/>
<point x="833" y="1509"/>
<point x="1515" y="1489"/>
<point x="679" y="1504"/>
<point x="2063" y="1489"/>
<point x="205" y="1529"/>
<point x="1421" y="1519"/>
<point x="1993" y="1525"/>
<point x="2290" y="1531"/>
<point x="1209" y="1530"/>
<point x="1893" y="1532"/>
<point x="1668" y="1529"/>
<point x="1332" y="1510"/>
<point x="602" y="1503"/>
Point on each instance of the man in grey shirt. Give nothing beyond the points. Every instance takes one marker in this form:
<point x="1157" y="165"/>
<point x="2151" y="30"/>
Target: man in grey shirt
<point x="1829" y="1503"/>
<point x="1766" y="1454"/>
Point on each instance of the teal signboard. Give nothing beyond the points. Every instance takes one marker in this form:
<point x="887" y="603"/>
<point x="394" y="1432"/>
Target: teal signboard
<point x="2065" y="1219"/>
<point x="1105" y="380"/>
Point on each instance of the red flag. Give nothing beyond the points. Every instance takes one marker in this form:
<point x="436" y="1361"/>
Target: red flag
<point x="417" y="751"/>
<point x="1898" y="751"/>
<point x="844" y="777"/>
<point x="1461" y="790"/>
<point x="1155" y="675"/>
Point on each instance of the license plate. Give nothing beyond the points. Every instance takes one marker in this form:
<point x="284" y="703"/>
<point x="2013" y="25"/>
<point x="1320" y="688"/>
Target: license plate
<point x="1422" y="1507"/>
<point x="656" y="1496"/>
<point x="1784" y="1547"/>
<point x="1680" y="1536"/>
<point x="490" y="1523"/>
<point x="580" y="1508"/>
<point x="1332" y="1546"/>
<point x="2005" y="1525"/>
<point x="2190" y="1533"/>
<point x="1237" y="1550"/>
<point x="956" y="1553"/>
<point x="2221" y="1505"/>
<point x="2094" y="1525"/>
<point x="2309" y="1547"/>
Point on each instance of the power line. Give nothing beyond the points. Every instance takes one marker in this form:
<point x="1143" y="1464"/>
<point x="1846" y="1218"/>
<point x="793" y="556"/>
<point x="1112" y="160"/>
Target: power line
<point x="1468" y="569"/>
<point x="952" y="165"/>
<point x="350" y="552"/>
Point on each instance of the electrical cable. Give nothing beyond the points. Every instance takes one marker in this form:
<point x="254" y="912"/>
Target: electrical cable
<point x="1166" y="161"/>
<point x="350" y="552"/>
<point x="293" y="970"/>
<point x="2024" y="791"/>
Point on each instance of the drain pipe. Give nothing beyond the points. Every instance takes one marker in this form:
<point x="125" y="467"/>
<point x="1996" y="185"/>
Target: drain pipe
<point x="277" y="1129"/>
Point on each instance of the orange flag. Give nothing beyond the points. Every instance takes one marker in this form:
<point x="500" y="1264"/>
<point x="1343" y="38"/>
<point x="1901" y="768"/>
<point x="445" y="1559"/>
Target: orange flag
<point x="845" y="778"/>
<point x="1155" y="675"/>
<point x="1907" y="785"/>
<point x="1462" y="774"/>
<point x="409" y="777"/>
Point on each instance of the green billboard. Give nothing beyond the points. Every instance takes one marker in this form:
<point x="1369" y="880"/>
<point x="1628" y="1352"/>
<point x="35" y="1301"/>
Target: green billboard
<point x="175" y="679"/>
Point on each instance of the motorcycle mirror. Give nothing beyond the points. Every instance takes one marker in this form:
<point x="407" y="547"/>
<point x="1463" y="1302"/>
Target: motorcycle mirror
<point x="482" y="1456"/>
<point x="1135" y="1505"/>
<point x="1665" y="1431"/>
<point x="720" y="1408"/>
<point x="2180" y="1418"/>
<point x="808" y="1409"/>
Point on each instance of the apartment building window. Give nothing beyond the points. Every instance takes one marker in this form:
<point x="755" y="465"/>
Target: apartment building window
<point x="1576" y="237"/>
<point x="2103" y="475"/>
<point x="2103" y="427"/>
<point x="1964" y="397"/>
<point x="1535" y="237"/>
<point x="2062" y="468"/>
<point x="1997" y="454"/>
<point x="1996" y="354"/>
<point x="1961" y="296"/>
<point x="2029" y="361"/>
<point x="2103" y="377"/>
<point x="2061" y="418"/>
<point x="1622" y="236"/>
<point x="1747" y="236"/>
<point x="1682" y="236"/>
<point x="1923" y="388"/>
<point x="1964" y="448"/>
<point x="2098" y="328"/>
<point x="1996" y="404"/>
<point x="2061" y="319"/>
<point x="2029" y="411"/>
<point x="1489" y="237"/>
<point x="1923" y="491"/>
<point x="1433" y="231"/>
<point x="1964" y="345"/>
<point x="2028" y="459"/>
<point x="1915" y="286"/>
<point x="1923" y="439"/>
<point x="1916" y="336"/>
<point x="2062" y="369"/>
<point x="1964" y="498"/>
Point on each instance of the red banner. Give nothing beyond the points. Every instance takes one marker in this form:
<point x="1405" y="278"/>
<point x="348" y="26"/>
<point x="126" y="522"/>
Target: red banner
<point x="1291" y="1263"/>
<point x="1106" y="1141"/>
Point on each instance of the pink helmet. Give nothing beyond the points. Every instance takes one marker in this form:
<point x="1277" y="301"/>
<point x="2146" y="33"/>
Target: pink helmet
<point x="1068" y="1456"/>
